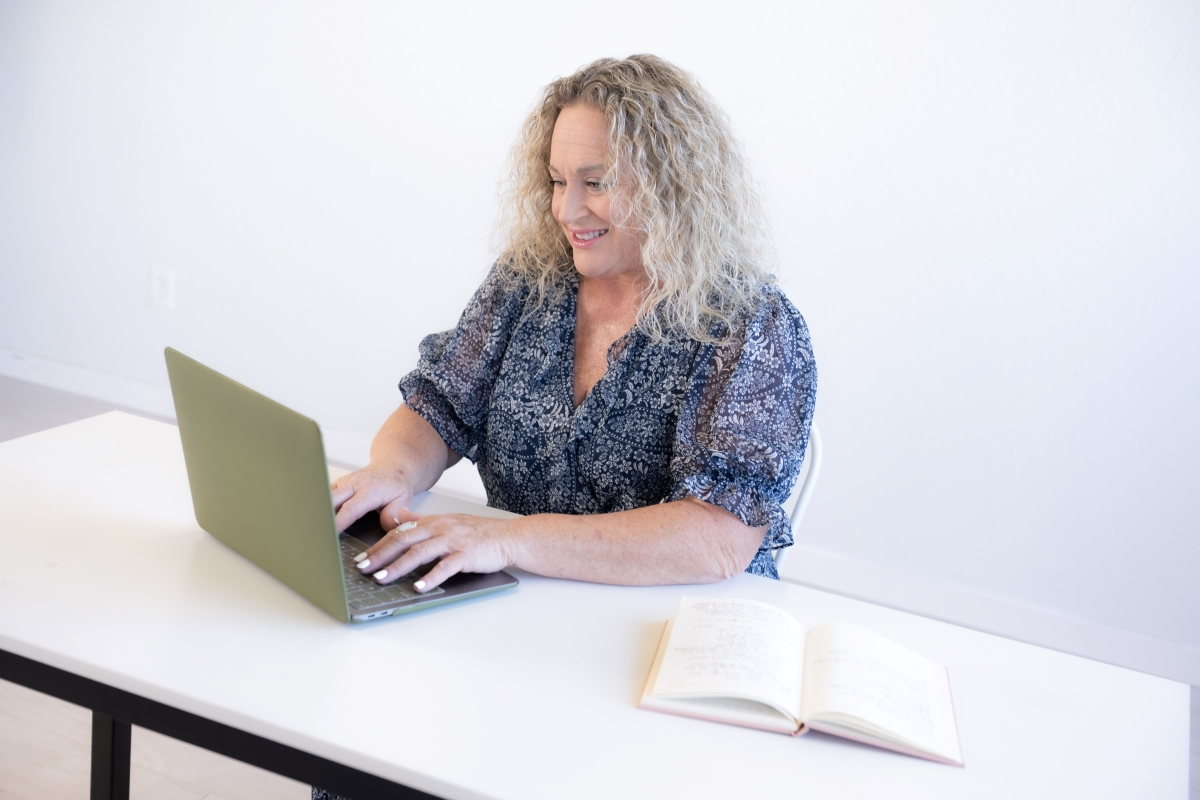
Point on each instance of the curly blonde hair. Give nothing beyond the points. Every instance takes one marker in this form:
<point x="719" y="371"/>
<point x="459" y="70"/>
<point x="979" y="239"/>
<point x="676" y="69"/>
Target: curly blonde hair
<point x="690" y="200"/>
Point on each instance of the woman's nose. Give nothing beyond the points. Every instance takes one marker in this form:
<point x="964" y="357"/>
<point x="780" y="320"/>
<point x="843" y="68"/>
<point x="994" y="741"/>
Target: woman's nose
<point x="573" y="207"/>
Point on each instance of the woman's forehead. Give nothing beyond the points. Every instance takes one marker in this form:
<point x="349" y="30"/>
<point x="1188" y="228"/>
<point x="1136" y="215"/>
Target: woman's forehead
<point x="580" y="139"/>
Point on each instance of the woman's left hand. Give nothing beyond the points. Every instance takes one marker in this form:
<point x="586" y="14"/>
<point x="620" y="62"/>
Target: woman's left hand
<point x="463" y="542"/>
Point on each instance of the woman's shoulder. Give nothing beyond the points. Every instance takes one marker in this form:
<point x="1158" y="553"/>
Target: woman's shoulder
<point x="503" y="291"/>
<point x="505" y="280"/>
<point x="772" y="320"/>
<point x="773" y="304"/>
<point x="502" y="278"/>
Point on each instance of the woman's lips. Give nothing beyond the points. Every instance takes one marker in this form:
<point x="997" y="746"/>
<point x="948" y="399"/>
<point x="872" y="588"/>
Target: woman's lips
<point x="587" y="238"/>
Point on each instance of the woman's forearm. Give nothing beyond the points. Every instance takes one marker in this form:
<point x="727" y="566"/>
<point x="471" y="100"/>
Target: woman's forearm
<point x="408" y="444"/>
<point x="687" y="541"/>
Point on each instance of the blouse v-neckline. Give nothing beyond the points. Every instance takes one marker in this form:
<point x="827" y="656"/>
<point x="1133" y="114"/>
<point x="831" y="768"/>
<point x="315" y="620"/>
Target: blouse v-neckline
<point x="611" y="356"/>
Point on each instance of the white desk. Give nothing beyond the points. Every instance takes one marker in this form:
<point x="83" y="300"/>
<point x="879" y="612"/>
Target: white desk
<point x="529" y="694"/>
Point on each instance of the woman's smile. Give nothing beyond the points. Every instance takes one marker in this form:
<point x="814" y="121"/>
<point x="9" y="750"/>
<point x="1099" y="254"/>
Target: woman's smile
<point x="587" y="237"/>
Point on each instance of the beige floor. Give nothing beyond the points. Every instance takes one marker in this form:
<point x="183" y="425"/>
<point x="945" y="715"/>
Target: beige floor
<point x="44" y="742"/>
<point x="44" y="755"/>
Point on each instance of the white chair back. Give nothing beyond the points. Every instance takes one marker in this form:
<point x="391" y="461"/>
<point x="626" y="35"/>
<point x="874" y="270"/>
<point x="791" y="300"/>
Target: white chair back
<point x="804" y="491"/>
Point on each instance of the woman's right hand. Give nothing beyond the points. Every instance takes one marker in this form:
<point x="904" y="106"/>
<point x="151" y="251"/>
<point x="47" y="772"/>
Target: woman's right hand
<point x="372" y="487"/>
<point x="407" y="456"/>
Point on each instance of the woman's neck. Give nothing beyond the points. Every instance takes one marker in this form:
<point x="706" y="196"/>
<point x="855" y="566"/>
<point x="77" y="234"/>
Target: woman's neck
<point x="612" y="299"/>
<point x="606" y="308"/>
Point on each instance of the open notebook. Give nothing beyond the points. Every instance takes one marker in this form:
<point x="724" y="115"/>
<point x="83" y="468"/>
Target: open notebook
<point x="749" y="663"/>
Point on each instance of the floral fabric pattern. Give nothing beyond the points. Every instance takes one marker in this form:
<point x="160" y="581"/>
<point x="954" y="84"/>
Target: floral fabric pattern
<point x="726" y="423"/>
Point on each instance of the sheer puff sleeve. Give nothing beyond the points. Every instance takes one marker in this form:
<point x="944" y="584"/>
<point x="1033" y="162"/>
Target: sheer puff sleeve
<point x="744" y="426"/>
<point x="452" y="384"/>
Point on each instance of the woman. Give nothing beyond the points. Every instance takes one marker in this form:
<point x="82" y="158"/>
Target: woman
<point x="628" y="376"/>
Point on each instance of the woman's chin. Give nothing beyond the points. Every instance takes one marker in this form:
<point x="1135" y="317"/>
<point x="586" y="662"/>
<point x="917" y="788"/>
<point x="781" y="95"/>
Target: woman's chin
<point x="597" y="265"/>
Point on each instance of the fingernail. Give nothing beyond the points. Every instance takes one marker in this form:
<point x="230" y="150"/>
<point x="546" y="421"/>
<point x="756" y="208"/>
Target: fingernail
<point x="419" y="585"/>
<point x="359" y="557"/>
<point x="364" y="564"/>
<point x="408" y="526"/>
<point x="381" y="574"/>
<point x="396" y="518"/>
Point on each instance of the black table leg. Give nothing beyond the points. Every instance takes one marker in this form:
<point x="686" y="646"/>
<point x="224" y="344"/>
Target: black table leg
<point x="110" y="758"/>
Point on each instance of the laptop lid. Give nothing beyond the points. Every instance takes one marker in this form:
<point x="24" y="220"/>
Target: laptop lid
<point x="258" y="479"/>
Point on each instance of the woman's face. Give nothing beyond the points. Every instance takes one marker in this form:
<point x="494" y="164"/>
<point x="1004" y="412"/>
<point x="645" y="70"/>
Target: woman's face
<point x="582" y="204"/>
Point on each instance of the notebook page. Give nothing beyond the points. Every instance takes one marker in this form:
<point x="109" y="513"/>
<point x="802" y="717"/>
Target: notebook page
<point x="852" y="671"/>
<point x="734" y="648"/>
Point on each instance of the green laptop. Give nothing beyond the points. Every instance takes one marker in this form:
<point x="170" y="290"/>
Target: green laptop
<point x="260" y="485"/>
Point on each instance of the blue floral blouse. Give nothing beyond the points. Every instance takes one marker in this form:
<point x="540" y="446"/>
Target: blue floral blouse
<point x="727" y="424"/>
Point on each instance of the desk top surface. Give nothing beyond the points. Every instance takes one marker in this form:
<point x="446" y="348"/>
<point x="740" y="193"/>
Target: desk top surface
<point x="528" y="694"/>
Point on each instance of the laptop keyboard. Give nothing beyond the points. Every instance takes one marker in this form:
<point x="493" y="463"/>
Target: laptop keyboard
<point x="363" y="593"/>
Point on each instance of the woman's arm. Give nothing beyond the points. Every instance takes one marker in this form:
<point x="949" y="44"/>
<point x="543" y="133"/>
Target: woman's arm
<point x="687" y="541"/>
<point x="407" y="456"/>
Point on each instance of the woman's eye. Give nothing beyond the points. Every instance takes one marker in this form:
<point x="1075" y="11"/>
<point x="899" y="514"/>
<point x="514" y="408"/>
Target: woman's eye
<point x="597" y="185"/>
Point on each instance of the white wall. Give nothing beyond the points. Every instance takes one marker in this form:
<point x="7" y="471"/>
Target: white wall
<point x="987" y="212"/>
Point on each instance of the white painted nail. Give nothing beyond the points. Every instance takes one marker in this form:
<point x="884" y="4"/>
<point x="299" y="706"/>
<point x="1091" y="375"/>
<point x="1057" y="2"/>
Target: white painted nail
<point x="408" y="526"/>
<point x="419" y="584"/>
<point x="360" y="557"/>
<point x="381" y="574"/>
<point x="364" y="564"/>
